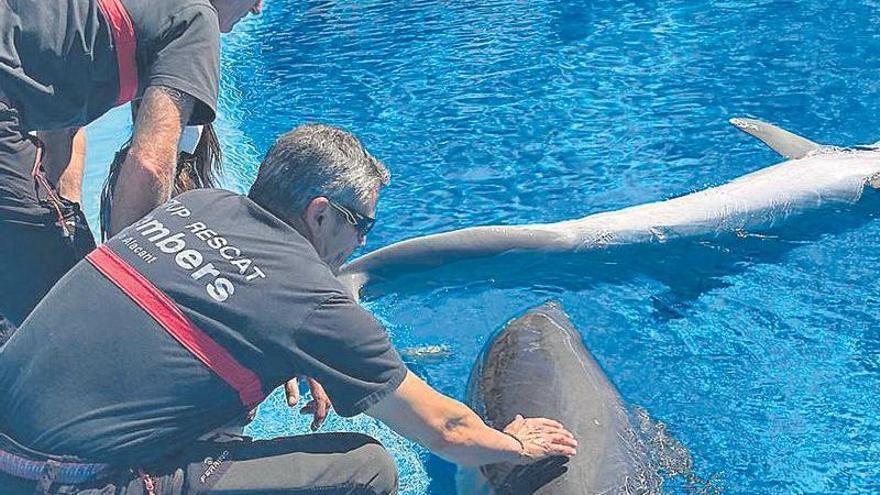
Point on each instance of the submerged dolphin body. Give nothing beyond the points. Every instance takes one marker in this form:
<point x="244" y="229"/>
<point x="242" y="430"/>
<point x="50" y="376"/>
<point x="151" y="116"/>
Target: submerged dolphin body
<point x="814" y="177"/>
<point x="538" y="366"/>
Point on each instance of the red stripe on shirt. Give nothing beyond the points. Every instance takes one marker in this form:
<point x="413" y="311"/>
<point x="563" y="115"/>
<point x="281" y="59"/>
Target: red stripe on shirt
<point x="159" y="306"/>
<point x="125" y="41"/>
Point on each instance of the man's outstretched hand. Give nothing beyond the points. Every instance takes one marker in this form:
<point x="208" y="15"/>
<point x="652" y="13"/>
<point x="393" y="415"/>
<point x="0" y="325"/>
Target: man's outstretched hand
<point x="541" y="438"/>
<point x="320" y="404"/>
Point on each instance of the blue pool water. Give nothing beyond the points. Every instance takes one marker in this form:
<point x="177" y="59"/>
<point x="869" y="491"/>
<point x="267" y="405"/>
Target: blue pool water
<point x="762" y="357"/>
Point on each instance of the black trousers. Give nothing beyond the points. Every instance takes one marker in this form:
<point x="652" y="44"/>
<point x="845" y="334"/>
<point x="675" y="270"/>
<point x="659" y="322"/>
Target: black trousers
<point x="41" y="237"/>
<point x="324" y="463"/>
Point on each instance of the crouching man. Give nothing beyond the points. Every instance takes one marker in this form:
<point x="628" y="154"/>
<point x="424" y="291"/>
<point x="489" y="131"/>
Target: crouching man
<point x="186" y="319"/>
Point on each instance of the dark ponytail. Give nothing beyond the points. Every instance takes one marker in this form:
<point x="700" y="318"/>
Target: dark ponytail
<point x="200" y="169"/>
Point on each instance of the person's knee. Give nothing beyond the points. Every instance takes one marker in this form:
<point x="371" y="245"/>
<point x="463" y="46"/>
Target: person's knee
<point x="374" y="468"/>
<point x="386" y="471"/>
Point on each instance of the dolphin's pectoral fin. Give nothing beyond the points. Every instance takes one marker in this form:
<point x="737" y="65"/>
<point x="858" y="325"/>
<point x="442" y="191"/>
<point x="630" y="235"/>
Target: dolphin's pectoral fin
<point x="779" y="140"/>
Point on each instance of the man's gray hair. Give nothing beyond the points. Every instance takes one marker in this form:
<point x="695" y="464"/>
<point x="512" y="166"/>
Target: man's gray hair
<point x="316" y="160"/>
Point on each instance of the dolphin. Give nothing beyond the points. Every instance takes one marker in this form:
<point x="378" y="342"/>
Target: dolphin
<point x="813" y="177"/>
<point x="537" y="366"/>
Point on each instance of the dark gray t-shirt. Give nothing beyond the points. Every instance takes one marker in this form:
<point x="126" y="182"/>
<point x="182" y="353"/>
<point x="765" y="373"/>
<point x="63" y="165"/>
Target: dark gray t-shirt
<point x="58" y="62"/>
<point x="91" y="374"/>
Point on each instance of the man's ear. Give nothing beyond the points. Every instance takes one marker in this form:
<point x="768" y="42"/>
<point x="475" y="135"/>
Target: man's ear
<point x="315" y="214"/>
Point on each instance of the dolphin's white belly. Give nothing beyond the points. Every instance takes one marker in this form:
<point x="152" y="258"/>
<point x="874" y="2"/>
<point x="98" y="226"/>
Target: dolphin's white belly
<point x="754" y="201"/>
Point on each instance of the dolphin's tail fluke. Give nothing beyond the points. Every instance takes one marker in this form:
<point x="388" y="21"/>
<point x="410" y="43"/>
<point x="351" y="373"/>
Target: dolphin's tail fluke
<point x="785" y="143"/>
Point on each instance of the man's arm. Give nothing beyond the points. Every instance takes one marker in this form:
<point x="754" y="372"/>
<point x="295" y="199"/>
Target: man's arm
<point x="146" y="175"/>
<point x="453" y="431"/>
<point x="64" y="160"/>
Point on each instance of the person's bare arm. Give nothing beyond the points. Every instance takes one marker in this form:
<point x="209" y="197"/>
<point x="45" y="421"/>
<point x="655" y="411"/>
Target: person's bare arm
<point x="64" y="160"/>
<point x="453" y="431"/>
<point x="146" y="175"/>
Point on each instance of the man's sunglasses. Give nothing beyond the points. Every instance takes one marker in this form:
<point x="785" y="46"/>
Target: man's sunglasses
<point x="362" y="223"/>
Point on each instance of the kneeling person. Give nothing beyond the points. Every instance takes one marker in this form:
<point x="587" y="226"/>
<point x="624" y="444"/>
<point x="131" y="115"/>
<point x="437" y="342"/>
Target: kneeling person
<point x="188" y="318"/>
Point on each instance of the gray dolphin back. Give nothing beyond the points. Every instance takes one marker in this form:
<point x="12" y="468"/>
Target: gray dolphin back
<point x="538" y="366"/>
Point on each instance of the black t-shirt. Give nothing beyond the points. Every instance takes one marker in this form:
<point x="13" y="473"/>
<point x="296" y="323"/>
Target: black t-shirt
<point x="92" y="374"/>
<point x="58" y="62"/>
